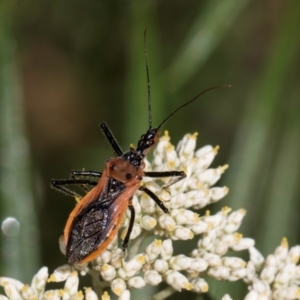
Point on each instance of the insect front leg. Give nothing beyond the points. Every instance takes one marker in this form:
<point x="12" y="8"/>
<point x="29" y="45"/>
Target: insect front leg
<point x="84" y="174"/>
<point x="180" y="174"/>
<point x="60" y="185"/>
<point x="130" y="226"/>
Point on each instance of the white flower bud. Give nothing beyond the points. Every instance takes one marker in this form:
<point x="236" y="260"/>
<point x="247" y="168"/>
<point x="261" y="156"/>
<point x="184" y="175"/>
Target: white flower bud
<point x="200" y="285"/>
<point x="220" y="272"/>
<point x="208" y="240"/>
<point x="152" y="277"/>
<point x="60" y="274"/>
<point x="251" y="272"/>
<point x="90" y="294"/>
<point x="199" y="227"/>
<point x="226" y="297"/>
<point x="148" y="222"/>
<point x="281" y="253"/>
<point x="211" y="176"/>
<point x="39" y="280"/>
<point x="253" y="295"/>
<point x="125" y="295"/>
<point x="256" y="257"/>
<point x="294" y="255"/>
<point x="261" y="287"/>
<point x="205" y="156"/>
<point x="178" y="201"/>
<point x="180" y="262"/>
<point x="113" y="245"/>
<point x="104" y="258"/>
<point x="136" y="282"/>
<point x="2" y="297"/>
<point x="118" y="286"/>
<point x="288" y="293"/>
<point x="116" y="258"/>
<point x="268" y="274"/>
<point x="198" y="265"/>
<point x="166" y="222"/>
<point x="217" y="193"/>
<point x="51" y="295"/>
<point x="134" y="265"/>
<point x="237" y="274"/>
<point x="108" y="272"/>
<point x="186" y="146"/>
<point x="167" y="249"/>
<point x="182" y="233"/>
<point x="71" y="285"/>
<point x="243" y="244"/>
<point x="284" y="276"/>
<point x="153" y="250"/>
<point x="234" y="263"/>
<point x="148" y="205"/>
<point x="212" y="259"/>
<point x="27" y="292"/>
<point x="177" y="281"/>
<point x="16" y="283"/>
<point x="11" y="291"/>
<point x="161" y="266"/>
<point x="184" y="216"/>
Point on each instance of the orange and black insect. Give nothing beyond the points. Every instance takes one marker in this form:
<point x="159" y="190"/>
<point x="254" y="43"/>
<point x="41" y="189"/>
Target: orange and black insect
<point x="94" y="222"/>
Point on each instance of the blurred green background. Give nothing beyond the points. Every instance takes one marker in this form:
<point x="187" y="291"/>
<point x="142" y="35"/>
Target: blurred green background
<point x="65" y="66"/>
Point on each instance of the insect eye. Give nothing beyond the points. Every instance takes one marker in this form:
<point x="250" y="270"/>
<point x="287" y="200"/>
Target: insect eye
<point x="128" y="176"/>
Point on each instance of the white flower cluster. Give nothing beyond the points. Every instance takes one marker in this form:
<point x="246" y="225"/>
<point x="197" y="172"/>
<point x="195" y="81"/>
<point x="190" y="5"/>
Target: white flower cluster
<point x="278" y="276"/>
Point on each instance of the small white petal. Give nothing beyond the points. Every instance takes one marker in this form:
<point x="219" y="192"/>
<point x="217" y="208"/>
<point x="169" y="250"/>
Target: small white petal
<point x="166" y="222"/>
<point x="177" y="280"/>
<point x="152" y="277"/>
<point x="153" y="250"/>
<point x="180" y="262"/>
<point x="226" y="297"/>
<point x="125" y="295"/>
<point x="39" y="280"/>
<point x="148" y="222"/>
<point x="103" y="258"/>
<point x="136" y="282"/>
<point x="182" y="233"/>
<point x="220" y="272"/>
<point x="256" y="257"/>
<point x="27" y="292"/>
<point x="71" y="285"/>
<point x="167" y="249"/>
<point x="200" y="285"/>
<point x="60" y="274"/>
<point x="52" y="295"/>
<point x="161" y="266"/>
<point x="90" y="294"/>
<point x="118" y="286"/>
<point x="108" y="272"/>
<point x="11" y="291"/>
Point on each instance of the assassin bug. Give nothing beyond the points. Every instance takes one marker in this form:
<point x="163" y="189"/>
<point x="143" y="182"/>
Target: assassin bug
<point x="95" y="220"/>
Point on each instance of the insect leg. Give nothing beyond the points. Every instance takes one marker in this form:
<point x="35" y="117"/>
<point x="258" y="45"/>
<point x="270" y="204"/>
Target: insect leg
<point x="180" y="174"/>
<point x="130" y="226"/>
<point x="59" y="185"/>
<point x="155" y="198"/>
<point x="111" y="139"/>
<point x="79" y="174"/>
<point x="84" y="174"/>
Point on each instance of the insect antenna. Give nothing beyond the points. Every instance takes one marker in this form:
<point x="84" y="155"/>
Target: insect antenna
<point x="192" y="100"/>
<point x="148" y="79"/>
